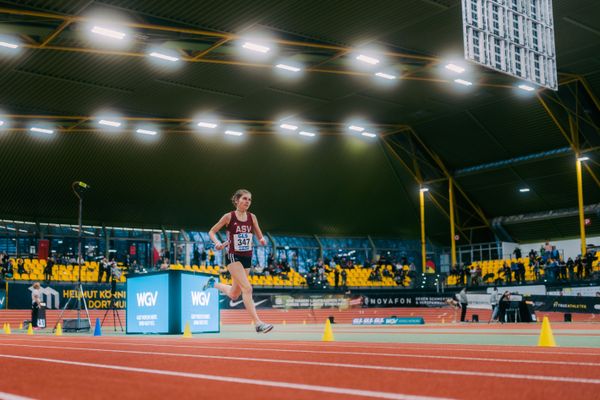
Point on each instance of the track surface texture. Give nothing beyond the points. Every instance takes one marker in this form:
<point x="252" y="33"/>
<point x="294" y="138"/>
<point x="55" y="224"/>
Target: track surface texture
<point x="451" y="360"/>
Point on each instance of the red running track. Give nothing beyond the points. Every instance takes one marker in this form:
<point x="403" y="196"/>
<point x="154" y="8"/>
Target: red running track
<point x="157" y="367"/>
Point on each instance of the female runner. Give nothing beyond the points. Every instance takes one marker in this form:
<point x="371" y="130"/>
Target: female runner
<point x="241" y="225"/>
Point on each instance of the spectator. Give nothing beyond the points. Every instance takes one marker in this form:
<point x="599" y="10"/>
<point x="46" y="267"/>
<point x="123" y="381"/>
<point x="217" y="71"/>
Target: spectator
<point x="579" y="267"/>
<point x="203" y="257"/>
<point x="344" y="280"/>
<point x="21" y="266"/>
<point x="165" y="264"/>
<point x="571" y="267"/>
<point x="521" y="271"/>
<point x="473" y="276"/>
<point x="507" y="273"/>
<point x="211" y="257"/>
<point x="589" y="262"/>
<point x="103" y="269"/>
<point x="36" y="303"/>
<point x="463" y="301"/>
<point x="562" y="271"/>
<point x="547" y="250"/>
<point x="532" y="254"/>
<point x="494" y="303"/>
<point x="551" y="268"/>
<point x="503" y="304"/>
<point x="336" y="275"/>
<point x="375" y="276"/>
<point x="517" y="253"/>
<point x="196" y="257"/>
<point x="48" y="269"/>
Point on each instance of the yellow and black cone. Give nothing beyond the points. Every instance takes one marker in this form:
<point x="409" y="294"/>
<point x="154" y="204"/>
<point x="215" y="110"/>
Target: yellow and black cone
<point x="30" y="329"/>
<point x="546" y="336"/>
<point x="7" y="330"/>
<point x="187" y="332"/>
<point x="328" y="333"/>
<point x="58" y="331"/>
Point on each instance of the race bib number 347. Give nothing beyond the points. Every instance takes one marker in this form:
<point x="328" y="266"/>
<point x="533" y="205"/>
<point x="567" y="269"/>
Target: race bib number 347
<point x="242" y="242"/>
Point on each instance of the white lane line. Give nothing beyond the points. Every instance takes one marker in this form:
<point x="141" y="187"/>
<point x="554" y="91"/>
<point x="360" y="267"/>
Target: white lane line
<point x="357" y="353"/>
<point x="331" y="364"/>
<point x="231" y="379"/>
<point x="161" y="342"/>
<point x="10" y="396"/>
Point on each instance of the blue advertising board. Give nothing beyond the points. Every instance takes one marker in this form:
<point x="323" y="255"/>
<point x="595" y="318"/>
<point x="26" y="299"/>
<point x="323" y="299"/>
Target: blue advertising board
<point x="199" y="308"/>
<point x="2" y="299"/>
<point x="148" y="304"/>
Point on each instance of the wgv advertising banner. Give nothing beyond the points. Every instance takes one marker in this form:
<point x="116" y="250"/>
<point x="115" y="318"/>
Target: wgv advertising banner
<point x="199" y="308"/>
<point x="148" y="304"/>
<point x="2" y="299"/>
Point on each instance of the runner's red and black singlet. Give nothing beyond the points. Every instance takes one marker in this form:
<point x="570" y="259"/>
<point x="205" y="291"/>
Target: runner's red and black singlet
<point x="239" y="234"/>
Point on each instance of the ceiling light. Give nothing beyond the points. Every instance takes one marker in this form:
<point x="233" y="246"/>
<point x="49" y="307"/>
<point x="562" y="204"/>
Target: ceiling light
<point x="385" y="76"/>
<point x="288" y="67"/>
<point x="455" y="68"/>
<point x="369" y="134"/>
<point x="584" y="158"/>
<point x="256" y="47"/>
<point x="114" y="124"/>
<point x="527" y="88"/>
<point x="305" y="133"/>
<point x="288" y="127"/>
<point x="424" y="189"/>
<point x="146" y="132"/>
<point x="9" y="45"/>
<point x="163" y="56"/>
<point x="524" y="190"/>
<point x="367" y="59"/>
<point x="108" y="32"/>
<point x="1" y="122"/>
<point x="356" y="128"/>
<point x="210" y="125"/>
<point x="42" y="130"/>
<point x="234" y="133"/>
<point x="463" y="82"/>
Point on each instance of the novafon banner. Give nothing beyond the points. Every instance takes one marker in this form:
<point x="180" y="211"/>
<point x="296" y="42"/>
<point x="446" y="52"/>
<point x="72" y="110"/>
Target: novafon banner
<point x="409" y="300"/>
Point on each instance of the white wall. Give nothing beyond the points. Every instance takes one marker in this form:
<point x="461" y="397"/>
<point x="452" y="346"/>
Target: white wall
<point x="508" y="249"/>
<point x="571" y="247"/>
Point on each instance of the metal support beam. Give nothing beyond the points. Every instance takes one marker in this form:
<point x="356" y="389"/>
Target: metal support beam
<point x="420" y="183"/>
<point x="580" y="206"/>
<point x="423" y="243"/>
<point x="441" y="165"/>
<point x="452" y="234"/>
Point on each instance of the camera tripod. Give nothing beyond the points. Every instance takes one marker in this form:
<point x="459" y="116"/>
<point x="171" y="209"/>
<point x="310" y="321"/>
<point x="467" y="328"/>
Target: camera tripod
<point x="80" y="324"/>
<point x="113" y="307"/>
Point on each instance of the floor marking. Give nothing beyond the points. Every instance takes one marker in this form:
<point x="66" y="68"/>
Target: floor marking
<point x="229" y="379"/>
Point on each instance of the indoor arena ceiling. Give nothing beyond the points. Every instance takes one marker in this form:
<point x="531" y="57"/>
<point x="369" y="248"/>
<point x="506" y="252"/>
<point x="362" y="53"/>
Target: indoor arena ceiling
<point x="488" y="138"/>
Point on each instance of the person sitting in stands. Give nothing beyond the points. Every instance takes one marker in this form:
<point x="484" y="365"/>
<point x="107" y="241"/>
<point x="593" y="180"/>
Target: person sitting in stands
<point x="21" y="266"/>
<point x="165" y="264"/>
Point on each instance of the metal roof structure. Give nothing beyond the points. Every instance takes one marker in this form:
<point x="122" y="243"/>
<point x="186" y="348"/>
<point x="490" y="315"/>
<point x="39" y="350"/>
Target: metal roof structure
<point x="488" y="139"/>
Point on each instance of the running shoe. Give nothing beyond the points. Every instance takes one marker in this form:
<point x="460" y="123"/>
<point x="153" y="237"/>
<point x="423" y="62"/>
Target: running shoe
<point x="264" y="328"/>
<point x="210" y="283"/>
